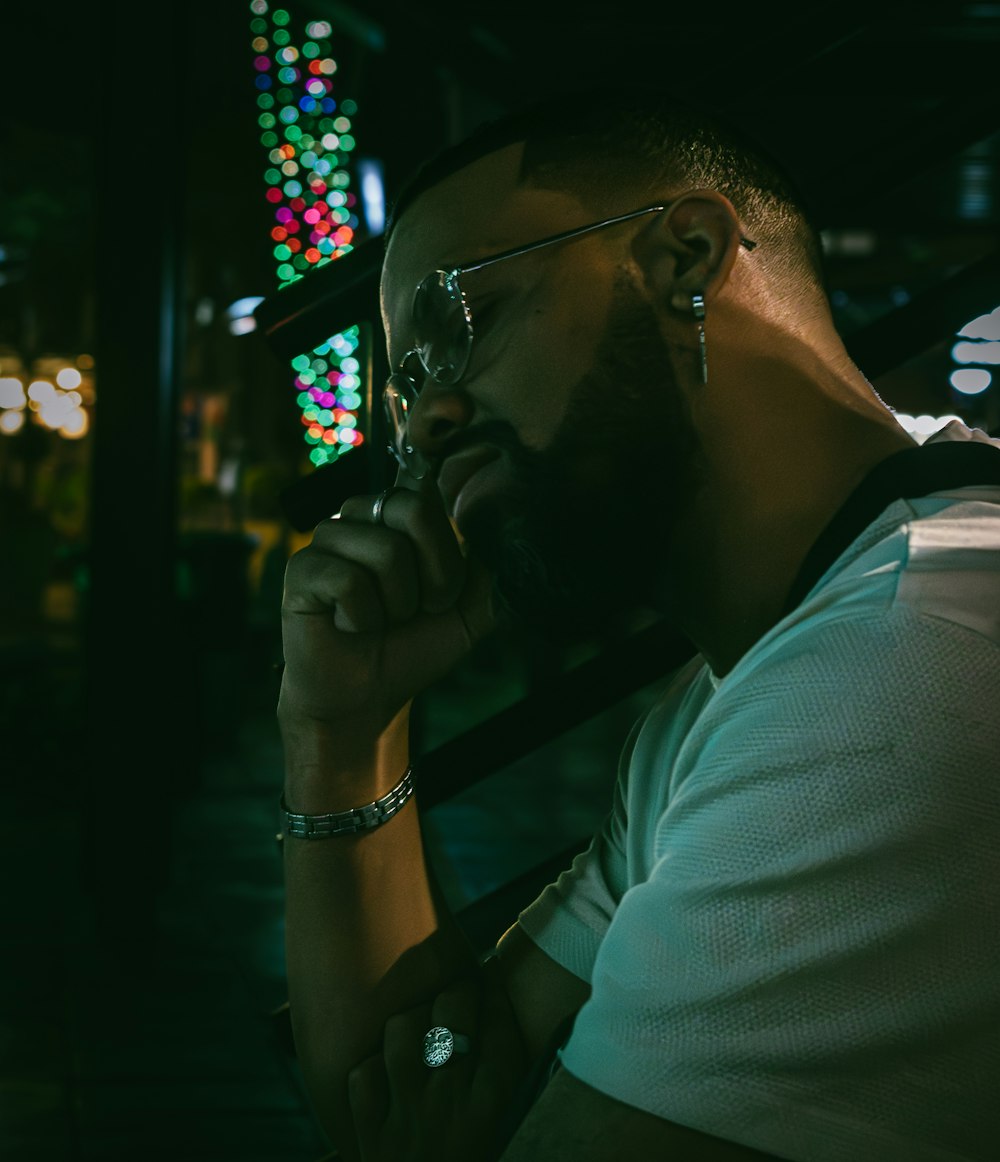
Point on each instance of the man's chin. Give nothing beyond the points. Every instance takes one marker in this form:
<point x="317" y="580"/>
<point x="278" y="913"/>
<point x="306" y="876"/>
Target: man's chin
<point x="533" y="594"/>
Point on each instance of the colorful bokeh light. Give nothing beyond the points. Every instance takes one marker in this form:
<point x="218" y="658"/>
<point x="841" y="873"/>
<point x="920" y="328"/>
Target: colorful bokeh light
<point x="307" y="138"/>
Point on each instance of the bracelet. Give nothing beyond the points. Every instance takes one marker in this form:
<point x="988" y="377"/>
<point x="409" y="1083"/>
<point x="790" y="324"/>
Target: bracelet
<point x="365" y="818"/>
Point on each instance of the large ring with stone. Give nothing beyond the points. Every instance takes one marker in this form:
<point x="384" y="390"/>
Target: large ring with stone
<point x="440" y="1043"/>
<point x="377" y="517"/>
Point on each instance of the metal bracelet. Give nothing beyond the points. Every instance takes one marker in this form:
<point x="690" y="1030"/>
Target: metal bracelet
<point x="365" y="818"/>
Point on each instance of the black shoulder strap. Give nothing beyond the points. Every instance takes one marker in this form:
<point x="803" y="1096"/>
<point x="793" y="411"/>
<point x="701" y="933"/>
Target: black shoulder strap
<point x="913" y="472"/>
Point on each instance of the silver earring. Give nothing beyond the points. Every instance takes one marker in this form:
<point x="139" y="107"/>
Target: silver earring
<point x="698" y="307"/>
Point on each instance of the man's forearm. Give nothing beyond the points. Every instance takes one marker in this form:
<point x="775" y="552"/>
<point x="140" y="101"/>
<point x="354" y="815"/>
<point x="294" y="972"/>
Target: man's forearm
<point x="380" y="605"/>
<point x="364" y="939"/>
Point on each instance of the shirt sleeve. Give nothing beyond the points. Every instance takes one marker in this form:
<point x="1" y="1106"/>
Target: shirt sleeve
<point x="570" y="918"/>
<point x="812" y="966"/>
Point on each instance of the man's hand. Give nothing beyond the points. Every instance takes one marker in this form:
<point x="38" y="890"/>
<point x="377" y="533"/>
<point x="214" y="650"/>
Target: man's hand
<point x="374" y="613"/>
<point x="406" y="1111"/>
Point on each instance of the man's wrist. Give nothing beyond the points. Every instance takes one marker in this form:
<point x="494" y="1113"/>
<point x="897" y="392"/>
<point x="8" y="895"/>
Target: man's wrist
<point x="328" y="771"/>
<point x="357" y="820"/>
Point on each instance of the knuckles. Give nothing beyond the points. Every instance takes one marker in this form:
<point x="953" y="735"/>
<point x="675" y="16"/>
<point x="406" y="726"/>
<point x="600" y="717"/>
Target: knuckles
<point x="410" y="563"/>
<point x="417" y="514"/>
<point x="400" y="1028"/>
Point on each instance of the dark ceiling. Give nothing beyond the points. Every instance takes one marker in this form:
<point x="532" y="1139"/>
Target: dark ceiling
<point x="835" y="87"/>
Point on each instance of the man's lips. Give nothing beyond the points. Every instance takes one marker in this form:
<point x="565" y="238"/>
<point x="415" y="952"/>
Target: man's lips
<point x="456" y="471"/>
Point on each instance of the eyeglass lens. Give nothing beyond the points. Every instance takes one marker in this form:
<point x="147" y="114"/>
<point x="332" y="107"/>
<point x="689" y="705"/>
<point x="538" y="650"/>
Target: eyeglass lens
<point x="443" y="343"/>
<point x="442" y="327"/>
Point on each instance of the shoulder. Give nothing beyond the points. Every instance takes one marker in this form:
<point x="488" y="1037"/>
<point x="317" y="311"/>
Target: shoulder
<point x="952" y="567"/>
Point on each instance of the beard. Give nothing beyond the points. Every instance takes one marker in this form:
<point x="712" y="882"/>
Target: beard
<point x="581" y="543"/>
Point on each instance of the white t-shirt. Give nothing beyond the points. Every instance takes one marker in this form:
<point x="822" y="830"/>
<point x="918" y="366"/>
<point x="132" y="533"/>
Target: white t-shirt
<point x="791" y="917"/>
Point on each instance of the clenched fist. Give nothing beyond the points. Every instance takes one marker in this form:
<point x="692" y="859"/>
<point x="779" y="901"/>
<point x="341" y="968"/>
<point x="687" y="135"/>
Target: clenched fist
<point x="373" y="612"/>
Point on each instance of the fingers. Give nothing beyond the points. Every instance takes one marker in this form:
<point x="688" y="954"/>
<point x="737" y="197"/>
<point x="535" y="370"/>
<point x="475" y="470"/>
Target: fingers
<point x="402" y="1048"/>
<point x="372" y="575"/>
<point x="317" y="582"/>
<point x="373" y="569"/>
<point x="458" y="1107"/>
<point x="419" y="518"/>
<point x="457" y="1009"/>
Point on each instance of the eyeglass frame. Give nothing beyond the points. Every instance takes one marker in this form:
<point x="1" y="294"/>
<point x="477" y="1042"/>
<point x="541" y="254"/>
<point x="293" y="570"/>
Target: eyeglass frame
<point x="397" y="447"/>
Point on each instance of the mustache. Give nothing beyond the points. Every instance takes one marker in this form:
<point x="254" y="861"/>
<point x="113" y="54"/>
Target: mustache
<point x="498" y="433"/>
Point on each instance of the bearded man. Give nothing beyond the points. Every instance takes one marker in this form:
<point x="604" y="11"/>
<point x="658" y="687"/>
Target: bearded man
<point x="784" y="940"/>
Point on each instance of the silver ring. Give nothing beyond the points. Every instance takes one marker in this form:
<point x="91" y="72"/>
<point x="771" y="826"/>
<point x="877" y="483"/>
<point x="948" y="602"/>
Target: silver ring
<point x="377" y="517"/>
<point x="440" y="1043"/>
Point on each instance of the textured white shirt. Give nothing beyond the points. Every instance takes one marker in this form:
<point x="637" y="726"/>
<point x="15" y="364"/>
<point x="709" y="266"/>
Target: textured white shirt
<point x="791" y="917"/>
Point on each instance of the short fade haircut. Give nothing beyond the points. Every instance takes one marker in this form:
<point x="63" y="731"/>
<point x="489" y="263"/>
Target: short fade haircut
<point x="643" y="142"/>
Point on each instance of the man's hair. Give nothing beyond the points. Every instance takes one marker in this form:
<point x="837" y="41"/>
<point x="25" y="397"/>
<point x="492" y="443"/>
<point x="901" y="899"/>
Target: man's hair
<point x="644" y="142"/>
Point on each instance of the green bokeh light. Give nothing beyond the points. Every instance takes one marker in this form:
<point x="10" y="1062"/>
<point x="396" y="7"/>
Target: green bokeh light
<point x="322" y="180"/>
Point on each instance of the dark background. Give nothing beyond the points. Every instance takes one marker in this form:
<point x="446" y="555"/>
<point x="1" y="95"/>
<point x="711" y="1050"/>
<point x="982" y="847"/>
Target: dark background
<point x="141" y="971"/>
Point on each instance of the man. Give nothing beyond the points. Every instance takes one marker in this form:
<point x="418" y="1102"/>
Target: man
<point x="784" y="939"/>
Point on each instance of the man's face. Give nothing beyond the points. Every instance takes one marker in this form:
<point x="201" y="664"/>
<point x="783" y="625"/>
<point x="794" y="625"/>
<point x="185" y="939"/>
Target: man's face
<point x="569" y="408"/>
<point x="582" y="535"/>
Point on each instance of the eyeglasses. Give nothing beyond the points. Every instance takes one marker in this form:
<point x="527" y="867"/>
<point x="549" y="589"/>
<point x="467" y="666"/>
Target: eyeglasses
<point x="442" y="324"/>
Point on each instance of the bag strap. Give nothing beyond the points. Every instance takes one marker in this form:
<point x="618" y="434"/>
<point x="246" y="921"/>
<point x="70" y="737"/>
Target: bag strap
<point x="903" y="475"/>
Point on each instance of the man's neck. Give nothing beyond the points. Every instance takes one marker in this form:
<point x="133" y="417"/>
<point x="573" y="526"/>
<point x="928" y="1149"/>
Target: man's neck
<point x="741" y="546"/>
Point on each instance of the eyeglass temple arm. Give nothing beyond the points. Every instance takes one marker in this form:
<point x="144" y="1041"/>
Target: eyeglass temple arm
<point x="576" y="232"/>
<point x="554" y="238"/>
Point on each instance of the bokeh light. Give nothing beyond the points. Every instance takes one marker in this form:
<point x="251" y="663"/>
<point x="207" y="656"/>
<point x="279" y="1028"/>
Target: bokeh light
<point x="971" y="380"/>
<point x="921" y="427"/>
<point x="12" y="393"/>
<point x="68" y="378"/>
<point x="312" y="206"/>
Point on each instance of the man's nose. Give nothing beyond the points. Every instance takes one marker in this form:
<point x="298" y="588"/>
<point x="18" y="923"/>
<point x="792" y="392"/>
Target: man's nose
<point x="437" y="414"/>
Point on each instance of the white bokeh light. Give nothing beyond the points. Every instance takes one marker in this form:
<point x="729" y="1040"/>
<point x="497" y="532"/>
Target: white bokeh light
<point x="11" y="422"/>
<point x="12" y="393"/>
<point x="68" y="378"/>
<point x="921" y="427"/>
<point x="971" y="380"/>
<point x="983" y="327"/>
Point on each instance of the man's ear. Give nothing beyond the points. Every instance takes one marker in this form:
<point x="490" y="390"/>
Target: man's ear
<point x="689" y="248"/>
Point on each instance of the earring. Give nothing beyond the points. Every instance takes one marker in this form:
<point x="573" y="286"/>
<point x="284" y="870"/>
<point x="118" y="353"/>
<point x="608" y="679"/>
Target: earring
<point x="698" y="307"/>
